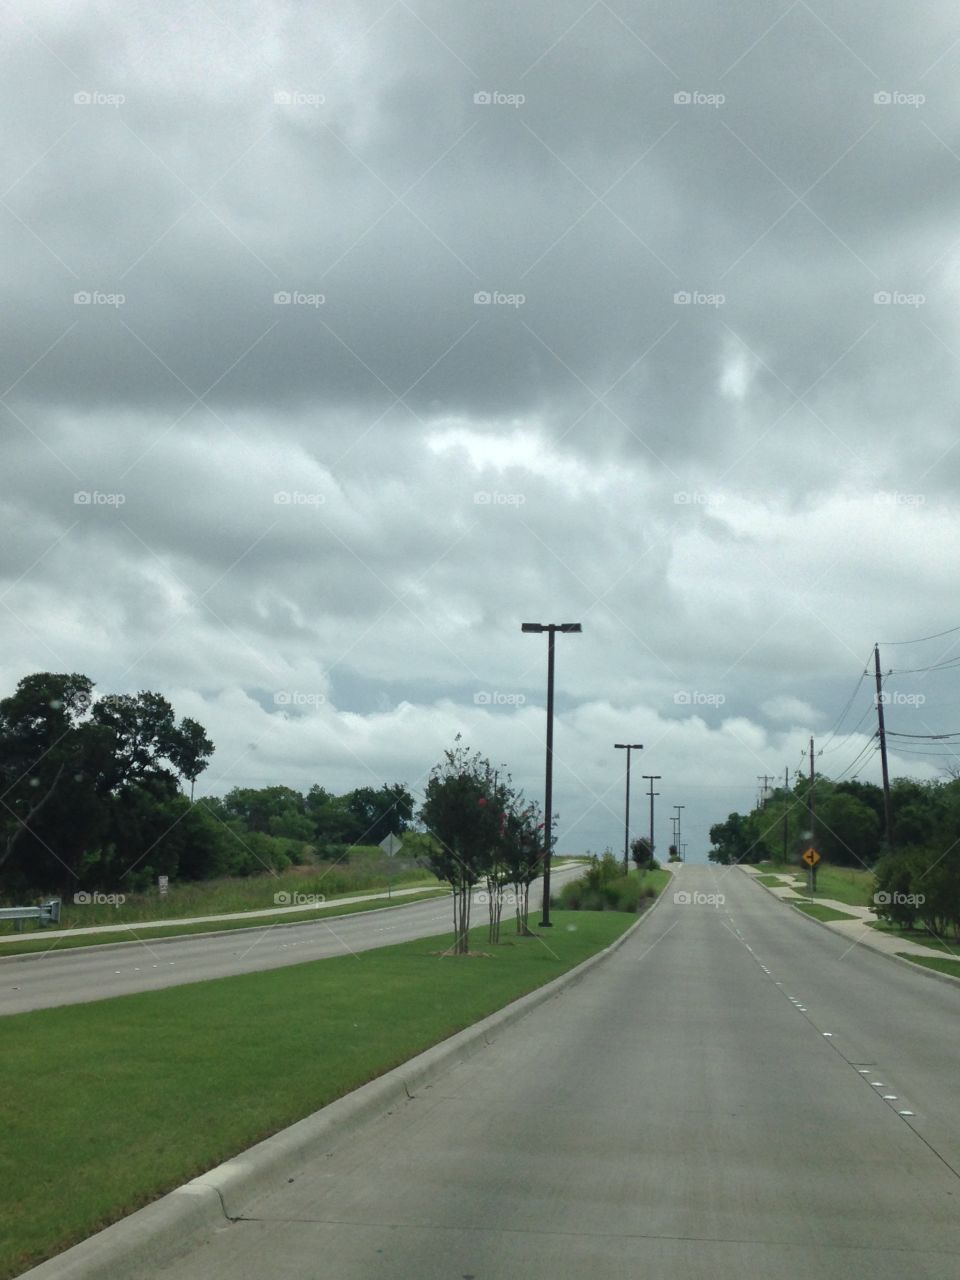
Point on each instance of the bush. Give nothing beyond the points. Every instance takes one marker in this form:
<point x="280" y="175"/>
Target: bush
<point x="595" y="892"/>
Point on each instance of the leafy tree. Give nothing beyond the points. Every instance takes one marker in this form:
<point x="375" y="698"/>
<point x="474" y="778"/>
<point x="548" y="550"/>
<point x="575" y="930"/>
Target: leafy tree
<point x="459" y="811"/>
<point x="190" y="750"/>
<point x="641" y="852"/>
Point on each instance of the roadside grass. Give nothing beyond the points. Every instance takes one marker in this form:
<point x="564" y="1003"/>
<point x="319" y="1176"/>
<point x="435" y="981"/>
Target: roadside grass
<point x="820" y="912"/>
<point x="933" y="962"/>
<point x="922" y="936"/>
<point x="36" y="942"/>
<point x="366" y="869"/>
<point x="843" y="884"/>
<point x="772" y="882"/>
<point x="111" y="1104"/>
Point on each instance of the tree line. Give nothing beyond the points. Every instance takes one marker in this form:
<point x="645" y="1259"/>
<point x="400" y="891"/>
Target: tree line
<point x="917" y="874"/>
<point x="93" y="792"/>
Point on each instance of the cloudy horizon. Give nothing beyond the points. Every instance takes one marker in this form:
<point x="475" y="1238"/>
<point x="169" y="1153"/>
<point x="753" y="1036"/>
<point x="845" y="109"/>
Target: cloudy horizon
<point x="340" y="343"/>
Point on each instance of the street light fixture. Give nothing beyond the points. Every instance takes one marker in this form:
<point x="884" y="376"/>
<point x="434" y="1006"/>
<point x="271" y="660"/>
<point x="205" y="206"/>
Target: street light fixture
<point x="551" y="628"/>
<point x="628" y="747"/>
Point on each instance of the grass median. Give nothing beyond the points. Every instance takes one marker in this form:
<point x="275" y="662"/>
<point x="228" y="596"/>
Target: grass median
<point x="109" y="1105"/>
<point x="149" y="933"/>
<point x="933" y="962"/>
<point x="819" y="912"/>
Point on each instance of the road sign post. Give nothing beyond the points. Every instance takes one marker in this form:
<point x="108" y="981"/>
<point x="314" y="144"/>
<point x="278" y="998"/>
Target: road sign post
<point x="391" y="845"/>
<point x="811" y="858"/>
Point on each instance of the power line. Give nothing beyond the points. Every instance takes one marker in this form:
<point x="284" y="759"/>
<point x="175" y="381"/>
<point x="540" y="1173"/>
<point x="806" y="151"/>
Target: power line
<point x="833" y="731"/>
<point x="921" y="639"/>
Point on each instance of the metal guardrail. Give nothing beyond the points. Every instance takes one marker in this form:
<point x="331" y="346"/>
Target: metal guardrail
<point x="47" y="913"/>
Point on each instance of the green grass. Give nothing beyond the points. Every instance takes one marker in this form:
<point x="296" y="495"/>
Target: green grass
<point x="820" y="912"/>
<point x="366" y="869"/>
<point x="922" y="936"/>
<point x="933" y="962"/>
<point x="772" y="882"/>
<point x="109" y="1105"/>
<point x="844" y="884"/>
<point x="140" y="933"/>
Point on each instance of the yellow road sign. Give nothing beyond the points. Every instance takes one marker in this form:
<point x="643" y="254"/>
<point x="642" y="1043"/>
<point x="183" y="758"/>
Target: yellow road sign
<point x="811" y="857"/>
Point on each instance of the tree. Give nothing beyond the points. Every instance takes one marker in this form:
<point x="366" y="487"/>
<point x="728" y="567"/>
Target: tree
<point x="459" y="811"/>
<point x="523" y="854"/>
<point x="190" y="750"/>
<point x="641" y="852"/>
<point x="380" y="812"/>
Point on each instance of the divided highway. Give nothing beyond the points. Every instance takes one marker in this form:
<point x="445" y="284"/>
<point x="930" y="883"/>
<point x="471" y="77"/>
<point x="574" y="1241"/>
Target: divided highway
<point x="44" y="979"/>
<point x="733" y="1094"/>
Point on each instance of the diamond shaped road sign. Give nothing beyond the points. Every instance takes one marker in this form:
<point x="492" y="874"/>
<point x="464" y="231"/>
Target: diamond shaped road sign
<point x="391" y="844"/>
<point x="811" y="857"/>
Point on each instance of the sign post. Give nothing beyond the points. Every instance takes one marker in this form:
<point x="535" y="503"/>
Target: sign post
<point x="391" y="845"/>
<point x="811" y="858"/>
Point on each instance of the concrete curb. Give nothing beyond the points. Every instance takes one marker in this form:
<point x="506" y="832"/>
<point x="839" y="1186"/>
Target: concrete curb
<point x="863" y="942"/>
<point x="165" y="1229"/>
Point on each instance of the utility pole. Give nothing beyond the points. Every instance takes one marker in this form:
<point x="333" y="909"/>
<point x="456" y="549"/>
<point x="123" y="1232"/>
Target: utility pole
<point x="811" y="809"/>
<point x="764" y="779"/>
<point x="683" y="852"/>
<point x="652" y="778"/>
<point x="887" y="808"/>
<point x="786" y="809"/>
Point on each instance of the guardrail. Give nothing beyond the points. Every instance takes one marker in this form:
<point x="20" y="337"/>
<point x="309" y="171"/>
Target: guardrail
<point x="47" y="913"/>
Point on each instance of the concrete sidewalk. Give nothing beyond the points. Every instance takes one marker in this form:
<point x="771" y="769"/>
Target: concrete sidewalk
<point x="857" y="931"/>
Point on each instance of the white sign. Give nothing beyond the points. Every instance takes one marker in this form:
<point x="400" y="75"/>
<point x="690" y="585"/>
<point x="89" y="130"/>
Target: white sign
<point x="162" y="883"/>
<point x="391" y="844"/>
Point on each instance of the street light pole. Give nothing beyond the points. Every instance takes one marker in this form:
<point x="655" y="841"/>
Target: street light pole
<point x="551" y="628"/>
<point x="678" y="807"/>
<point x="628" y="747"/>
<point x="652" y="778"/>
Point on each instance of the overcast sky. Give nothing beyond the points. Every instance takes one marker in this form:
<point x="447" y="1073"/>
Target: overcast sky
<point x="341" y="339"/>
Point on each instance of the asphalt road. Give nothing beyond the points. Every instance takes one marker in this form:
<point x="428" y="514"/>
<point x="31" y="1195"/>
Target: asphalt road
<point x="42" y="980"/>
<point x="681" y="1112"/>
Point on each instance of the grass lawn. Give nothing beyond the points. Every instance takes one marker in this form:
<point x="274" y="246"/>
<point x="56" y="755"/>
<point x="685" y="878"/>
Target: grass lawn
<point x="37" y="942"/>
<point x="844" y="884"/>
<point x="368" y="870"/>
<point x="934" y="962"/>
<point x="951" y="946"/>
<point x="109" y="1105"/>
<point x="772" y="882"/>
<point x="820" y="912"/>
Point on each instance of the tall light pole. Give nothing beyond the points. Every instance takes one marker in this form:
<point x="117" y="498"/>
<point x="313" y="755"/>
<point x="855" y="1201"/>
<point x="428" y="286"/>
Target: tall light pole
<point x="652" y="778"/>
<point x="551" y="628"/>
<point x="628" y="747"/>
<point x="678" y="807"/>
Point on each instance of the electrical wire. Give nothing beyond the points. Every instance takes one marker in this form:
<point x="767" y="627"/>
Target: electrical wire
<point x="921" y="639"/>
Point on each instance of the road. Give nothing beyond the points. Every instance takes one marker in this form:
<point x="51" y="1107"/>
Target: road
<point x="681" y="1112"/>
<point x="42" y="980"/>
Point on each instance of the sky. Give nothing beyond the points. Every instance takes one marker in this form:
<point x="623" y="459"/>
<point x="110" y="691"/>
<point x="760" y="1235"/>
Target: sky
<point x="340" y="340"/>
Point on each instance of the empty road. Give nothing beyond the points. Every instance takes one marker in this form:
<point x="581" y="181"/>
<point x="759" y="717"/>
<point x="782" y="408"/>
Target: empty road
<point x="734" y="1094"/>
<point x="42" y="980"/>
